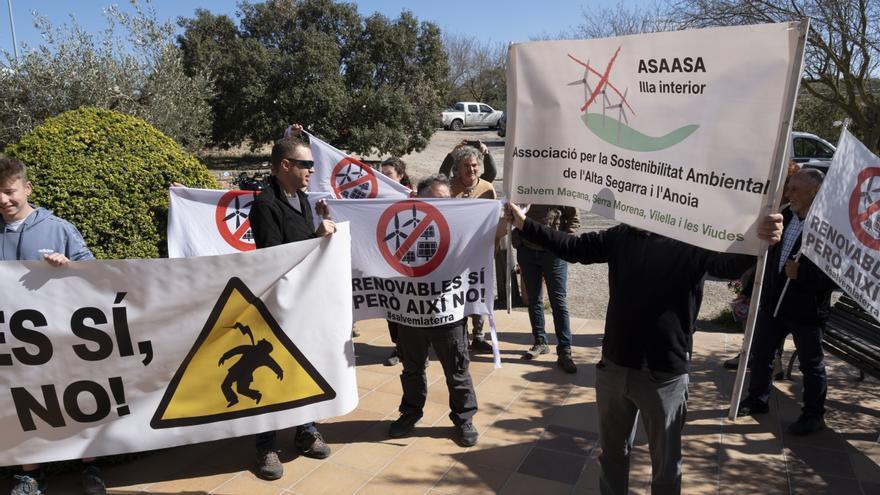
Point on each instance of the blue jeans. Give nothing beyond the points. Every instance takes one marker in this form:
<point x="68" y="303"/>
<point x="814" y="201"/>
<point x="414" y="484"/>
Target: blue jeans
<point x="534" y="264"/>
<point x="769" y="334"/>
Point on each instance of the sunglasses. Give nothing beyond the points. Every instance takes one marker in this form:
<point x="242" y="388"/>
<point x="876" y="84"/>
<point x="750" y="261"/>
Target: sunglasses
<point x="302" y="163"/>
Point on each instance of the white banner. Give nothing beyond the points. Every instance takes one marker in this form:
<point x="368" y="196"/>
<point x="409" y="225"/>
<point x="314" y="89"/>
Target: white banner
<point x="108" y="357"/>
<point x="346" y="177"/>
<point x="672" y="132"/>
<point x="842" y="231"/>
<point x="205" y="222"/>
<point x="422" y="262"/>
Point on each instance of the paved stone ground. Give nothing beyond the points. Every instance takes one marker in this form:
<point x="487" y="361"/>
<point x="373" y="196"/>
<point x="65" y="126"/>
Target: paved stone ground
<point x="538" y="429"/>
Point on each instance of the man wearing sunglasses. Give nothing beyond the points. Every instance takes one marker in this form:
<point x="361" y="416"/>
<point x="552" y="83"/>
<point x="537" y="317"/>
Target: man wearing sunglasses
<point x="279" y="215"/>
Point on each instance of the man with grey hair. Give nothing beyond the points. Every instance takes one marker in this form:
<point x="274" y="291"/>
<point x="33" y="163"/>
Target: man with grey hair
<point x="434" y="186"/>
<point x="489" y="169"/>
<point x="803" y="311"/>
<point x="467" y="184"/>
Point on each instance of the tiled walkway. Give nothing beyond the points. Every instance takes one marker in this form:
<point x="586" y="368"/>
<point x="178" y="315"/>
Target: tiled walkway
<point x="538" y="435"/>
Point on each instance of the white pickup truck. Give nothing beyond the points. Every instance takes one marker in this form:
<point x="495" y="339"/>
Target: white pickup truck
<point x="470" y="114"/>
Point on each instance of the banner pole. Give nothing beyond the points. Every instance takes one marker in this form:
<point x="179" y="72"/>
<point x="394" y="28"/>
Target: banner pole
<point x="771" y="205"/>
<point x="507" y="266"/>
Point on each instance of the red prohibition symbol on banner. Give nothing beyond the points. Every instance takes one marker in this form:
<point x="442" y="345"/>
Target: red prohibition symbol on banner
<point x="232" y="221"/>
<point x="413" y="237"/>
<point x="864" y="204"/>
<point x="353" y="179"/>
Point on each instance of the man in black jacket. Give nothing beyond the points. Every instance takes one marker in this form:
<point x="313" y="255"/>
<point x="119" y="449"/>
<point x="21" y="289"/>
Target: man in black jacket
<point x="802" y="312"/>
<point x="279" y="215"/>
<point x="653" y="282"/>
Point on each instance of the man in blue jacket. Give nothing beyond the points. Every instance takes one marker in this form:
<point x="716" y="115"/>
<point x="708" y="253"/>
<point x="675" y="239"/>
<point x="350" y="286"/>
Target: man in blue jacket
<point x="30" y="234"/>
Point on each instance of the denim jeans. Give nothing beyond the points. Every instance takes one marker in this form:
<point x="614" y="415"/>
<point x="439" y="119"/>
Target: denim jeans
<point x="769" y="334"/>
<point x="534" y="264"/>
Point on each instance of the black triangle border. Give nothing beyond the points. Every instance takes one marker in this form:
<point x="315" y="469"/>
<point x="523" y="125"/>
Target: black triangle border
<point x="327" y="392"/>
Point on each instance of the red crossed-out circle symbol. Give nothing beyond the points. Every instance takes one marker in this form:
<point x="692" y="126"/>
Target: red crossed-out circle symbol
<point x="353" y="179"/>
<point x="413" y="237"/>
<point x="231" y="217"/>
<point x="864" y="203"/>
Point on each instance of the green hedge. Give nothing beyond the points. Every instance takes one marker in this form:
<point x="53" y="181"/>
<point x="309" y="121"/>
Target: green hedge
<point x="108" y="174"/>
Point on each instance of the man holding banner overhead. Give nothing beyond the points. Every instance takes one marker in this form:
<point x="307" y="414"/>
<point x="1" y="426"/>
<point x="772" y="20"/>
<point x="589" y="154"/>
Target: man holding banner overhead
<point x="466" y="183"/>
<point x="279" y="215"/>
<point x="646" y="348"/>
<point x="796" y="300"/>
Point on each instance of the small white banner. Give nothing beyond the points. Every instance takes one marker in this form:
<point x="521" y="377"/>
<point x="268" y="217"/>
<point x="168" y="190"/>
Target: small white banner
<point x="421" y="262"/>
<point x="346" y="177"/>
<point x="108" y="357"/>
<point x="842" y="231"/>
<point x="205" y="222"/>
<point x="672" y="132"/>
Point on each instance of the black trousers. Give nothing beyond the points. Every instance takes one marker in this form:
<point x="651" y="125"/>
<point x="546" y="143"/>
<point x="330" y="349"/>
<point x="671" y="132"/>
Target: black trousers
<point x="267" y="440"/>
<point x="769" y="334"/>
<point x="450" y="345"/>
<point x="392" y="331"/>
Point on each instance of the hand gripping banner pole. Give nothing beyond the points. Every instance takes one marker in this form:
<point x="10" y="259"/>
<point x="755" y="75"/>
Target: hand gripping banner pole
<point x="771" y="205"/>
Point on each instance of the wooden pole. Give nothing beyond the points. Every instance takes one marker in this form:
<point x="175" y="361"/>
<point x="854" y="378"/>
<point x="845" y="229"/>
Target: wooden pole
<point x="771" y="205"/>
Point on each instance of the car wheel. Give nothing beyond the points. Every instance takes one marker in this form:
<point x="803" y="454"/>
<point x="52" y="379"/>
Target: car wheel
<point x="456" y="125"/>
<point x="501" y="132"/>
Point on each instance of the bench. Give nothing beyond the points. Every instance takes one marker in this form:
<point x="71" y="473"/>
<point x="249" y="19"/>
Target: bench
<point x="852" y="335"/>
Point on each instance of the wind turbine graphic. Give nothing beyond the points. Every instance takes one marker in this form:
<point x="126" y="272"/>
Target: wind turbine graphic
<point x="621" y="115"/>
<point x="591" y="93"/>
<point x="870" y="197"/>
<point x="415" y="219"/>
<point x="237" y="214"/>
<point x="396" y="233"/>
<point x="346" y="174"/>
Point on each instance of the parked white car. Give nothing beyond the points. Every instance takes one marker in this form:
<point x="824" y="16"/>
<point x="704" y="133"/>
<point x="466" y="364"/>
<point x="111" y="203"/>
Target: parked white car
<point x="810" y="150"/>
<point x="470" y="114"/>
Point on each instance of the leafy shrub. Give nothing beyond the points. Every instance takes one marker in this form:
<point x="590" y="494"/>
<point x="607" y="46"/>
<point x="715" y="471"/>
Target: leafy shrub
<point x="132" y="66"/>
<point x="108" y="174"/>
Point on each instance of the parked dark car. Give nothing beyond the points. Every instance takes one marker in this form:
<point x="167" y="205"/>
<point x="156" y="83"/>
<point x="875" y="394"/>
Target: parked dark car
<point x="502" y="124"/>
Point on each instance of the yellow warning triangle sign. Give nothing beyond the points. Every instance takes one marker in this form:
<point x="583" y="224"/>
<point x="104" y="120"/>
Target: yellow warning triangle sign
<point x="242" y="364"/>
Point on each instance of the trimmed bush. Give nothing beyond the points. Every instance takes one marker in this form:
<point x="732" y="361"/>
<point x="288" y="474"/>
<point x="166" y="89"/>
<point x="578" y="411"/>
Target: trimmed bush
<point x="108" y="174"/>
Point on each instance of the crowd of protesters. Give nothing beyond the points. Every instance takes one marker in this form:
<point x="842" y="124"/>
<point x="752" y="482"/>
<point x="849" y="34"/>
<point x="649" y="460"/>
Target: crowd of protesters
<point x="655" y="286"/>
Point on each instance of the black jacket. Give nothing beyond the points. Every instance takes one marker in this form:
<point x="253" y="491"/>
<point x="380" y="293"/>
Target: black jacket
<point x="808" y="297"/>
<point x="653" y="281"/>
<point x="275" y="222"/>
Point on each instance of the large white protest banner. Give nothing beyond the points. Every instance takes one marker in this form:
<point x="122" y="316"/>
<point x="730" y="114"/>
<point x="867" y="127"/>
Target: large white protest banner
<point x="205" y="222"/>
<point x="422" y="263"/>
<point x="842" y="231"/>
<point x="346" y="177"/>
<point x="107" y="357"/>
<point x="672" y="132"/>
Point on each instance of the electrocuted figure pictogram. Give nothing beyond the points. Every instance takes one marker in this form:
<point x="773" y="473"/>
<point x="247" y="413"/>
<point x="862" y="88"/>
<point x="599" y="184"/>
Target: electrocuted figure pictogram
<point x="253" y="356"/>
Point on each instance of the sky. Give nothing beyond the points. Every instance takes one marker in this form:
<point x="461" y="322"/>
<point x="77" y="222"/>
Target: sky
<point x="496" y="21"/>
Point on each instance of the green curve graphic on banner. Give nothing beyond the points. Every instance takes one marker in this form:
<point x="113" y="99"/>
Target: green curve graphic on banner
<point x="624" y="136"/>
